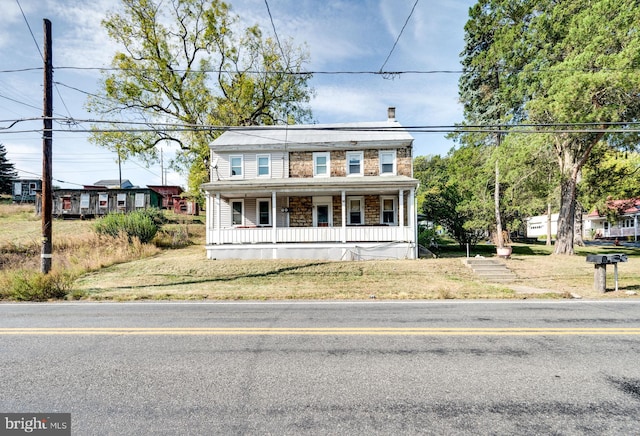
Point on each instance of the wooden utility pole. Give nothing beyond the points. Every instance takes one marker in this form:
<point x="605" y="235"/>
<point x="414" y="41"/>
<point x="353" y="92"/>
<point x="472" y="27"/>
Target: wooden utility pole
<point x="47" y="139"/>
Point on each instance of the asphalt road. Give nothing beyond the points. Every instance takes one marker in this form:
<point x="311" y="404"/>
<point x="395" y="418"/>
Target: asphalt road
<point x="569" y="367"/>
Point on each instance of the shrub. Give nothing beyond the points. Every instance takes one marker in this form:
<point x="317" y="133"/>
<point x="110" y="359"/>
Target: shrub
<point x="22" y="285"/>
<point x="138" y="224"/>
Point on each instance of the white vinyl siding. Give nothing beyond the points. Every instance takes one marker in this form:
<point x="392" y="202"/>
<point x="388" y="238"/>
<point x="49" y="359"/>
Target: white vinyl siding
<point x="278" y="165"/>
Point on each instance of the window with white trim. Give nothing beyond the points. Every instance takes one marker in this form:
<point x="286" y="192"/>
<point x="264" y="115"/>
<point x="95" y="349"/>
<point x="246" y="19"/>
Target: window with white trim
<point x="354" y="163"/>
<point x="236" y="165"/>
<point x="388" y="210"/>
<point x="321" y="164"/>
<point x="263" y="210"/>
<point x="237" y="216"/>
<point x="355" y="210"/>
<point x="264" y="165"/>
<point x="387" y="162"/>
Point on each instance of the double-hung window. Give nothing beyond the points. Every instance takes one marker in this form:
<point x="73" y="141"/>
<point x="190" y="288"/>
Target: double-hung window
<point x="387" y="162"/>
<point x="264" y="212"/>
<point x="321" y="164"/>
<point x="264" y="165"/>
<point x="237" y="216"/>
<point x="354" y="163"/>
<point x="388" y="212"/>
<point x="235" y="162"/>
<point x="355" y="209"/>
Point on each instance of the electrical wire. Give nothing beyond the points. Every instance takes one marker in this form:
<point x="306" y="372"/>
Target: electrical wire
<point x="399" y="35"/>
<point x="274" y="30"/>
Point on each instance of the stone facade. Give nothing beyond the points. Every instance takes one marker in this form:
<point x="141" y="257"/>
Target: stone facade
<point x="301" y="164"/>
<point x="337" y="210"/>
<point x="371" y="210"/>
<point x="301" y="211"/>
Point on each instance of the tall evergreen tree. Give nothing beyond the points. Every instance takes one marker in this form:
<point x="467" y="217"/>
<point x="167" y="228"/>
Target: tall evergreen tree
<point x="556" y="63"/>
<point x="7" y="171"/>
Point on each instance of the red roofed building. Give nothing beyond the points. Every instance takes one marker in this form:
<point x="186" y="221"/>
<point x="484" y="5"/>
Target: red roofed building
<point x="626" y="226"/>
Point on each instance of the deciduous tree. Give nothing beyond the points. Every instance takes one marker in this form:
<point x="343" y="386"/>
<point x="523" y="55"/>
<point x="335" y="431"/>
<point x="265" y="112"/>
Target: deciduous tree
<point x="187" y="63"/>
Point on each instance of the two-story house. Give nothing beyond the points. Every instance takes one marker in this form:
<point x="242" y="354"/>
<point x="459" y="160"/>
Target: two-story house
<point x="333" y="191"/>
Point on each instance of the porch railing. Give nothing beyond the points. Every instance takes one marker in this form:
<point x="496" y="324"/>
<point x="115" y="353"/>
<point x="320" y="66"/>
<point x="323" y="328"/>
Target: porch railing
<point x="263" y="235"/>
<point x="618" y="232"/>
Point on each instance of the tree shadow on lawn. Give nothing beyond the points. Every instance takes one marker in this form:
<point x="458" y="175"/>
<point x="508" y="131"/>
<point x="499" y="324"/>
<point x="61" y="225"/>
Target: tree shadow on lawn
<point x="224" y="279"/>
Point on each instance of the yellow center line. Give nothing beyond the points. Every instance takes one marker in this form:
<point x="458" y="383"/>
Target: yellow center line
<point x="321" y="331"/>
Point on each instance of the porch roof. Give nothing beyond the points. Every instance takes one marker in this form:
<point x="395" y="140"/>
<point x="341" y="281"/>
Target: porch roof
<point x="315" y="185"/>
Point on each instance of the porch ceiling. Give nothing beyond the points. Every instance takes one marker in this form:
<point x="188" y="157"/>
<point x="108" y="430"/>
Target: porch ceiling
<point x="313" y="186"/>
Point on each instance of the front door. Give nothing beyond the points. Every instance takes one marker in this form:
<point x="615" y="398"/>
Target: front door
<point x="322" y="216"/>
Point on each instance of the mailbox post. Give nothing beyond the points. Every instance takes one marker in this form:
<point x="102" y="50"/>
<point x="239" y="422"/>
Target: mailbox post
<point x="600" y="262"/>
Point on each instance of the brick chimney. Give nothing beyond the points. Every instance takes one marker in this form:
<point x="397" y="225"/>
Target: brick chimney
<point x="391" y="113"/>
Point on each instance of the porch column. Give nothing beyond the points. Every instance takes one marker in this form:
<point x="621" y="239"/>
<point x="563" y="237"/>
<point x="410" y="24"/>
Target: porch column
<point x="401" y="210"/>
<point x="413" y="220"/>
<point x="208" y="216"/>
<point x="218" y="216"/>
<point x="343" y="211"/>
<point x="635" y="228"/>
<point x="274" y="218"/>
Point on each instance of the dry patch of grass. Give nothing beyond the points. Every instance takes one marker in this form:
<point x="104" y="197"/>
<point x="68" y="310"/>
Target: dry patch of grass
<point x="187" y="274"/>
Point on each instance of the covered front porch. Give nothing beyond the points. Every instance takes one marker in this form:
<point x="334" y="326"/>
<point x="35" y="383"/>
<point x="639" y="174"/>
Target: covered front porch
<point x="335" y="218"/>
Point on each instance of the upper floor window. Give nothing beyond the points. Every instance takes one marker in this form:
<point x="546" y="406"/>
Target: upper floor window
<point x="236" y="166"/>
<point x="321" y="164"/>
<point x="354" y="163"/>
<point x="264" y="165"/>
<point x="387" y="162"/>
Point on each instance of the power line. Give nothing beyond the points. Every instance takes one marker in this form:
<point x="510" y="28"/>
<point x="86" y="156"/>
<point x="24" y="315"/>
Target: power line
<point x="30" y="31"/>
<point x="274" y="29"/>
<point x="41" y="55"/>
<point x="399" y="35"/>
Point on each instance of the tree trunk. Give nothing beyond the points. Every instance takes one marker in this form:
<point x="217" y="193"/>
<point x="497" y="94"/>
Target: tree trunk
<point x="564" y="235"/>
<point x="577" y="225"/>
<point x="548" y="224"/>
<point x="496" y="197"/>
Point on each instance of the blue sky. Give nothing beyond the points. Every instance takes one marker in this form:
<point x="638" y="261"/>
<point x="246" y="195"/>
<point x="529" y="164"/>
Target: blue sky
<point x="341" y="35"/>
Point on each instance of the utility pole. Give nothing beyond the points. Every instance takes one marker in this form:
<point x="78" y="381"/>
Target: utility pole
<point x="47" y="140"/>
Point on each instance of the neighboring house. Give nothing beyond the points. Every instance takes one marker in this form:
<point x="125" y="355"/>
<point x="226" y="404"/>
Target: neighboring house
<point x="168" y="192"/>
<point x="337" y="191"/>
<point x="626" y="226"/>
<point x="537" y="225"/>
<point x="111" y="184"/>
<point x="172" y="199"/>
<point x="24" y="190"/>
<point x="89" y="203"/>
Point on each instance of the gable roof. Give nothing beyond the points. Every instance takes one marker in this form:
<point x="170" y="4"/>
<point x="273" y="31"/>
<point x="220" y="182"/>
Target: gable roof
<point x="126" y="183"/>
<point x="623" y="207"/>
<point x="371" y="133"/>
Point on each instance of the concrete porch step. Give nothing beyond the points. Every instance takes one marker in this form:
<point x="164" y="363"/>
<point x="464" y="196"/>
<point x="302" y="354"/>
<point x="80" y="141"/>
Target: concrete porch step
<point x="488" y="269"/>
